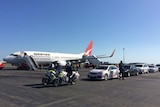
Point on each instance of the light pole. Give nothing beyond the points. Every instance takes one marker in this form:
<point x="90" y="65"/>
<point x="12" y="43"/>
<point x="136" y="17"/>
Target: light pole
<point x="123" y="55"/>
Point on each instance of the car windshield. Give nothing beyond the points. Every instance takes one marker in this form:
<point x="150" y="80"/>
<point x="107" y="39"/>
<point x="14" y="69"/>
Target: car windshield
<point x="151" y="66"/>
<point x="126" y="67"/>
<point x="138" y="65"/>
<point x="102" y="67"/>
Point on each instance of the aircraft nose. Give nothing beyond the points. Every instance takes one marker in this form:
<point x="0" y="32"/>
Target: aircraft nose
<point x="9" y="58"/>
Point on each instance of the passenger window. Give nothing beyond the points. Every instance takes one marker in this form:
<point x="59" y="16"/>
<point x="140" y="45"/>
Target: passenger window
<point x="114" y="67"/>
<point x="132" y="67"/>
<point x="110" y="68"/>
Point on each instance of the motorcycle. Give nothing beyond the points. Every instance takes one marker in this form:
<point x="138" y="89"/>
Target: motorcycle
<point x="57" y="79"/>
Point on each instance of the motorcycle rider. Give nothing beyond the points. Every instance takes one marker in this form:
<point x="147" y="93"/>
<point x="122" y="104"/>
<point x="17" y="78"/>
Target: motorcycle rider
<point x="69" y="71"/>
<point x="58" y="68"/>
<point x="51" y="66"/>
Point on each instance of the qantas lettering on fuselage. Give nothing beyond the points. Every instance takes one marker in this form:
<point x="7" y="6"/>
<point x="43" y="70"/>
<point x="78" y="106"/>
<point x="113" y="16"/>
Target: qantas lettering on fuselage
<point x="42" y="54"/>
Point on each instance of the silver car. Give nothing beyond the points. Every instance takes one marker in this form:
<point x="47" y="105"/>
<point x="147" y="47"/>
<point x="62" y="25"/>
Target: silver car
<point x="153" y="68"/>
<point x="104" y="72"/>
<point x="143" y="67"/>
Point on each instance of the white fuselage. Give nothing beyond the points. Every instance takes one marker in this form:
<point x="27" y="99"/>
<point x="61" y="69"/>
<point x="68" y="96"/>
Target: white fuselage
<point x="42" y="57"/>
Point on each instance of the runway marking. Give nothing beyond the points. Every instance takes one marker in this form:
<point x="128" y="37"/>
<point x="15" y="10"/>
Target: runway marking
<point x="58" y="101"/>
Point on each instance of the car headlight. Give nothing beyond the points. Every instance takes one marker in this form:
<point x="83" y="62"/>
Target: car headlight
<point x="126" y="70"/>
<point x="89" y="73"/>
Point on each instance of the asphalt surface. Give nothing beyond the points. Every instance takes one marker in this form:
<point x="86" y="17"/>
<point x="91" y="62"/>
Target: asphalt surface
<point x="24" y="89"/>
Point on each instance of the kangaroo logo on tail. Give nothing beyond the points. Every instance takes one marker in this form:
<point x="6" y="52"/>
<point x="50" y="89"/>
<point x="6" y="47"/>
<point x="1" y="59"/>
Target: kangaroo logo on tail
<point x="88" y="50"/>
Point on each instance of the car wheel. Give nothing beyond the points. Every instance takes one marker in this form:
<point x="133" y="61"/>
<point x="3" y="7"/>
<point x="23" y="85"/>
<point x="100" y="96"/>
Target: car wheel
<point x="129" y="74"/>
<point x="45" y="81"/>
<point x="137" y="73"/>
<point x="106" y="77"/>
<point x="56" y="82"/>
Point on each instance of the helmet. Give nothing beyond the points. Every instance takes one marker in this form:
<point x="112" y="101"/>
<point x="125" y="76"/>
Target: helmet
<point x="68" y="63"/>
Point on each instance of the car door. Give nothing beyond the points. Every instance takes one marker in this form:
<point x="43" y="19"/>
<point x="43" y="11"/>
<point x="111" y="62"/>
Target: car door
<point x="113" y="72"/>
<point x="132" y="70"/>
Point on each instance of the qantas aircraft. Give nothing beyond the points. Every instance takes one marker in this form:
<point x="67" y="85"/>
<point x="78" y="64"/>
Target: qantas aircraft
<point x="34" y="59"/>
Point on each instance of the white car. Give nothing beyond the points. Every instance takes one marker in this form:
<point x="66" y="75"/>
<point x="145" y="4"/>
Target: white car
<point x="104" y="72"/>
<point x="158" y="65"/>
<point x="143" y="67"/>
<point x="153" y="68"/>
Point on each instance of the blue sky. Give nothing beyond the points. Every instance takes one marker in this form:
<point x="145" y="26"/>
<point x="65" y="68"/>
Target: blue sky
<point x="68" y="26"/>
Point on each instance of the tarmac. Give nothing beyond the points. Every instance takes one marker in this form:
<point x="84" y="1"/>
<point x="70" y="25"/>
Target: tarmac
<point x="20" y="88"/>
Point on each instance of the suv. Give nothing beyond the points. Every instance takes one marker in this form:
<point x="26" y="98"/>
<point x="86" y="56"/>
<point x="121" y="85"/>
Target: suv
<point x="153" y="68"/>
<point x="143" y="68"/>
<point x="158" y="65"/>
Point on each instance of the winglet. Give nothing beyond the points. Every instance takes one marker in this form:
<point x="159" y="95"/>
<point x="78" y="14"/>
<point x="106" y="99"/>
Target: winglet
<point x="112" y="53"/>
<point x="88" y="50"/>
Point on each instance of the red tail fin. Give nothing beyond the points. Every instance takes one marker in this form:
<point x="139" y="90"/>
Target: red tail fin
<point x="88" y="50"/>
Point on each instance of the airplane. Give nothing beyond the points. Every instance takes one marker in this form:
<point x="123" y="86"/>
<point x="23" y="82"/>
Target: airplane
<point x="35" y="59"/>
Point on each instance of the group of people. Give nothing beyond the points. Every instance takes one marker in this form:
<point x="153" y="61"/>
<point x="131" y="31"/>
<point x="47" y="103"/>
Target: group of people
<point x="69" y="69"/>
<point x="58" y="68"/>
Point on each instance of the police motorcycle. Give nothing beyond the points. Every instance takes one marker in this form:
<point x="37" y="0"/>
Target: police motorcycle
<point x="57" y="79"/>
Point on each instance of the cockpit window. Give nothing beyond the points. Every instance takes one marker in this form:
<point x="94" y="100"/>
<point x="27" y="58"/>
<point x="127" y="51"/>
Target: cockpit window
<point x="13" y="55"/>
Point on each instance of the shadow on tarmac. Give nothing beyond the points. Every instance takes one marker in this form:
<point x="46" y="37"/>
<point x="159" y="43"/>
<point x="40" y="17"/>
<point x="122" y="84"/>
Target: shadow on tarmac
<point x="86" y="79"/>
<point x="36" y="86"/>
<point x="43" y="86"/>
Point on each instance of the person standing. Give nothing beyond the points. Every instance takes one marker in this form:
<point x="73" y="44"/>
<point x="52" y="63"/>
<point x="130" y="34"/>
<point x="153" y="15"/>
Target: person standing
<point x="121" y="66"/>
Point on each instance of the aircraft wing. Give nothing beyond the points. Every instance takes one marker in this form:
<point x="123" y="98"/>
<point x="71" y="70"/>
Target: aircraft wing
<point x="105" y="56"/>
<point x="63" y="62"/>
<point x="76" y="61"/>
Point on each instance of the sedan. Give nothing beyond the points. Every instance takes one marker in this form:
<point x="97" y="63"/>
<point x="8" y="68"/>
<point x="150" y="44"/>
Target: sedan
<point x="104" y="72"/>
<point x="130" y="70"/>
